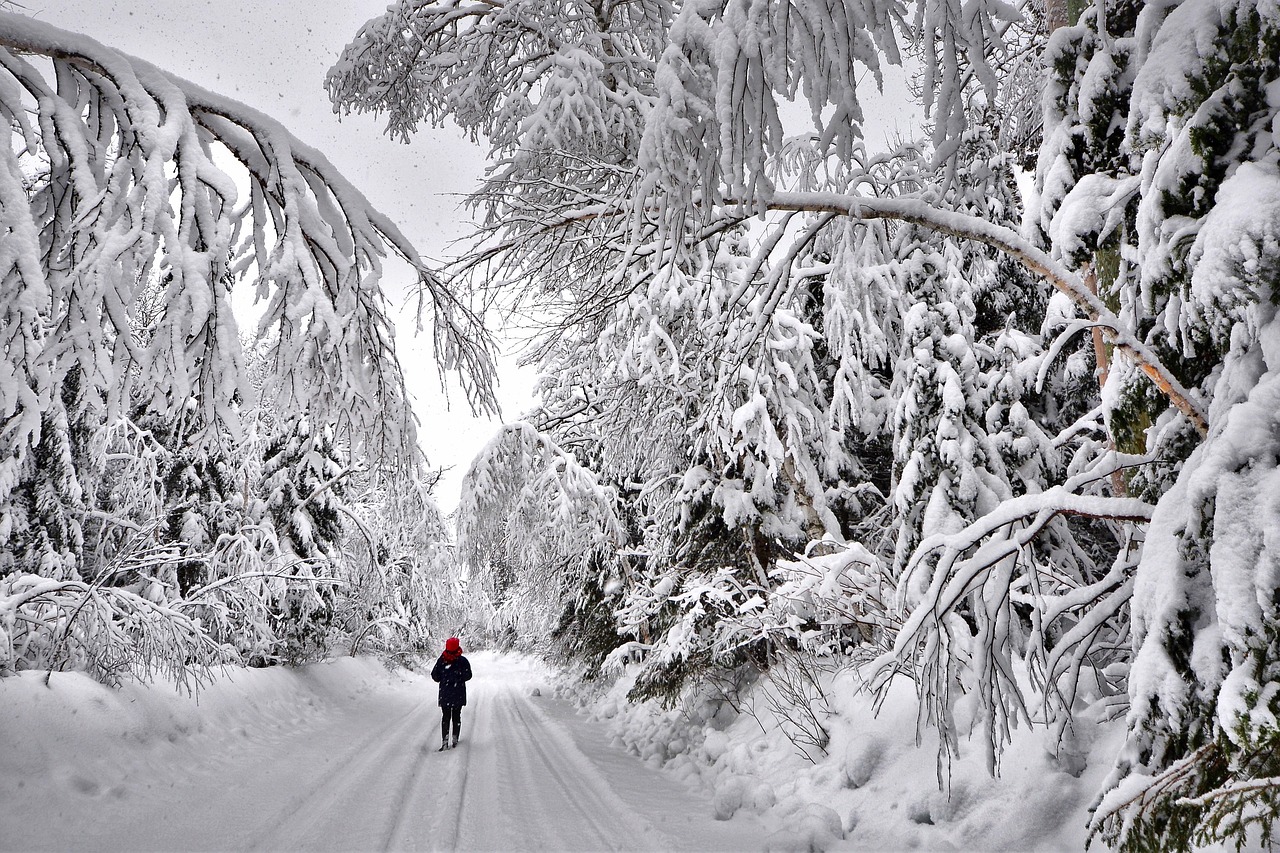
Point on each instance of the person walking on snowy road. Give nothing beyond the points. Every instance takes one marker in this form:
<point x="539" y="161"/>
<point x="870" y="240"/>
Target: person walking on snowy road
<point x="452" y="671"/>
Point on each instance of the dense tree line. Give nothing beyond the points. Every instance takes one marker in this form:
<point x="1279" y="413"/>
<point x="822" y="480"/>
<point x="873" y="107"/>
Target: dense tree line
<point x="800" y="400"/>
<point x="1039" y="430"/>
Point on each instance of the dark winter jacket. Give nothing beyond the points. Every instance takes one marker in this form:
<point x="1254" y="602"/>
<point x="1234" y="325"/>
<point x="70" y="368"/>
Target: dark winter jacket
<point x="453" y="678"/>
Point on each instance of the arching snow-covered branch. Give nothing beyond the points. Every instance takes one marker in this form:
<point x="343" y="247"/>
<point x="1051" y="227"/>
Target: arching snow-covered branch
<point x="982" y="571"/>
<point x="126" y="240"/>
<point x="1009" y="242"/>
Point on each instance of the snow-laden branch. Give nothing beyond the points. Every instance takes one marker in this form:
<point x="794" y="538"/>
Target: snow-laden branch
<point x="954" y="577"/>
<point x="111" y="633"/>
<point x="977" y="571"/>
<point x="912" y="210"/>
<point x="125" y="239"/>
<point x="1009" y="242"/>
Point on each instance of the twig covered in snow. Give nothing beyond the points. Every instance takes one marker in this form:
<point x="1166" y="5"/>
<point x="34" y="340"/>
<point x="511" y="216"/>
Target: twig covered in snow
<point x="110" y="633"/>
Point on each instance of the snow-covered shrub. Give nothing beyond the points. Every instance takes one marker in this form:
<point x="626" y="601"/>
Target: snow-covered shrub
<point x="112" y="634"/>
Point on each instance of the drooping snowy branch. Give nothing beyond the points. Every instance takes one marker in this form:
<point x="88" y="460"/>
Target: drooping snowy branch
<point x="982" y="571"/>
<point x="1007" y="241"/>
<point x="114" y="196"/>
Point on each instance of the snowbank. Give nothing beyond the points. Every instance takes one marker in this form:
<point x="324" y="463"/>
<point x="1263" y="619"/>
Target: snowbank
<point x="70" y="741"/>
<point x="874" y="788"/>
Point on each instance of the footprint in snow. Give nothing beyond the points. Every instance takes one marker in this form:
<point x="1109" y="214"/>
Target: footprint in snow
<point x="88" y="787"/>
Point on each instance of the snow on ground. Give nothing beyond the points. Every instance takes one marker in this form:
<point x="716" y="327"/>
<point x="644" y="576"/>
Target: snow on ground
<point x="334" y="756"/>
<point x="341" y="756"/>
<point x="874" y="788"/>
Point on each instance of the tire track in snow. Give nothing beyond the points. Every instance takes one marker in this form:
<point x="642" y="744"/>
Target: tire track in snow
<point x="458" y="811"/>
<point x="574" y="785"/>
<point x="401" y="834"/>
<point x="541" y="791"/>
<point x="478" y="743"/>
<point x="296" y="825"/>
<point x="388" y="791"/>
<point x="407" y="830"/>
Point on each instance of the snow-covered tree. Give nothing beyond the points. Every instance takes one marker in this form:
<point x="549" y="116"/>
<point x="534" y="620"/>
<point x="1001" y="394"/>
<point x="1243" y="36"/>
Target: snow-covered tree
<point x="404" y="590"/>
<point x="134" y="207"/>
<point x="303" y="494"/>
<point x="1189" y="193"/>
<point x="533" y="526"/>
<point x="1051" y="495"/>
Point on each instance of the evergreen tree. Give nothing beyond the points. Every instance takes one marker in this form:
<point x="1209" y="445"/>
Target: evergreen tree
<point x="1198" y="273"/>
<point x="303" y="492"/>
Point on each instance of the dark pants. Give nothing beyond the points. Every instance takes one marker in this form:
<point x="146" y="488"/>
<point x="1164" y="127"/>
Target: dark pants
<point x="447" y="713"/>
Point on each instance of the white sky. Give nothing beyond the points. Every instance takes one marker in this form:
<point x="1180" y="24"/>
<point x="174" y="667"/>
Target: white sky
<point x="273" y="55"/>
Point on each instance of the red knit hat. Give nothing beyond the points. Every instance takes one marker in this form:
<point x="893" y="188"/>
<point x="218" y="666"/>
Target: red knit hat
<point x="452" y="645"/>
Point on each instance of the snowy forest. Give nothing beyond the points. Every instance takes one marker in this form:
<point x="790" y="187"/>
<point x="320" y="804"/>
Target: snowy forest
<point x="993" y="412"/>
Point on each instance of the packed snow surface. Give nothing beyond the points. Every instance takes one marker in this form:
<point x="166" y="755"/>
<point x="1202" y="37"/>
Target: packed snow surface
<point x="342" y="756"/>
<point x="336" y="756"/>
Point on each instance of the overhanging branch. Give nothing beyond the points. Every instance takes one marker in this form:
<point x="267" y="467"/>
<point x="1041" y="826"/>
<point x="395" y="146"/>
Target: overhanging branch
<point x="1008" y="241"/>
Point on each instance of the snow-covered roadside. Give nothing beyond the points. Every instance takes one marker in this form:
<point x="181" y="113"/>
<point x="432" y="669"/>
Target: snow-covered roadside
<point x="875" y="788"/>
<point x="73" y="748"/>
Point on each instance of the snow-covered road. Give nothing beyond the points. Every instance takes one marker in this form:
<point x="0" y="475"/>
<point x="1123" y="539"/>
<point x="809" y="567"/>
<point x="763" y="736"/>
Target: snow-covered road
<point x="353" y="770"/>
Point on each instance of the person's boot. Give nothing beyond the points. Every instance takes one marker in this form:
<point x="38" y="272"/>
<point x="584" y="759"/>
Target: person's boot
<point x="455" y="740"/>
